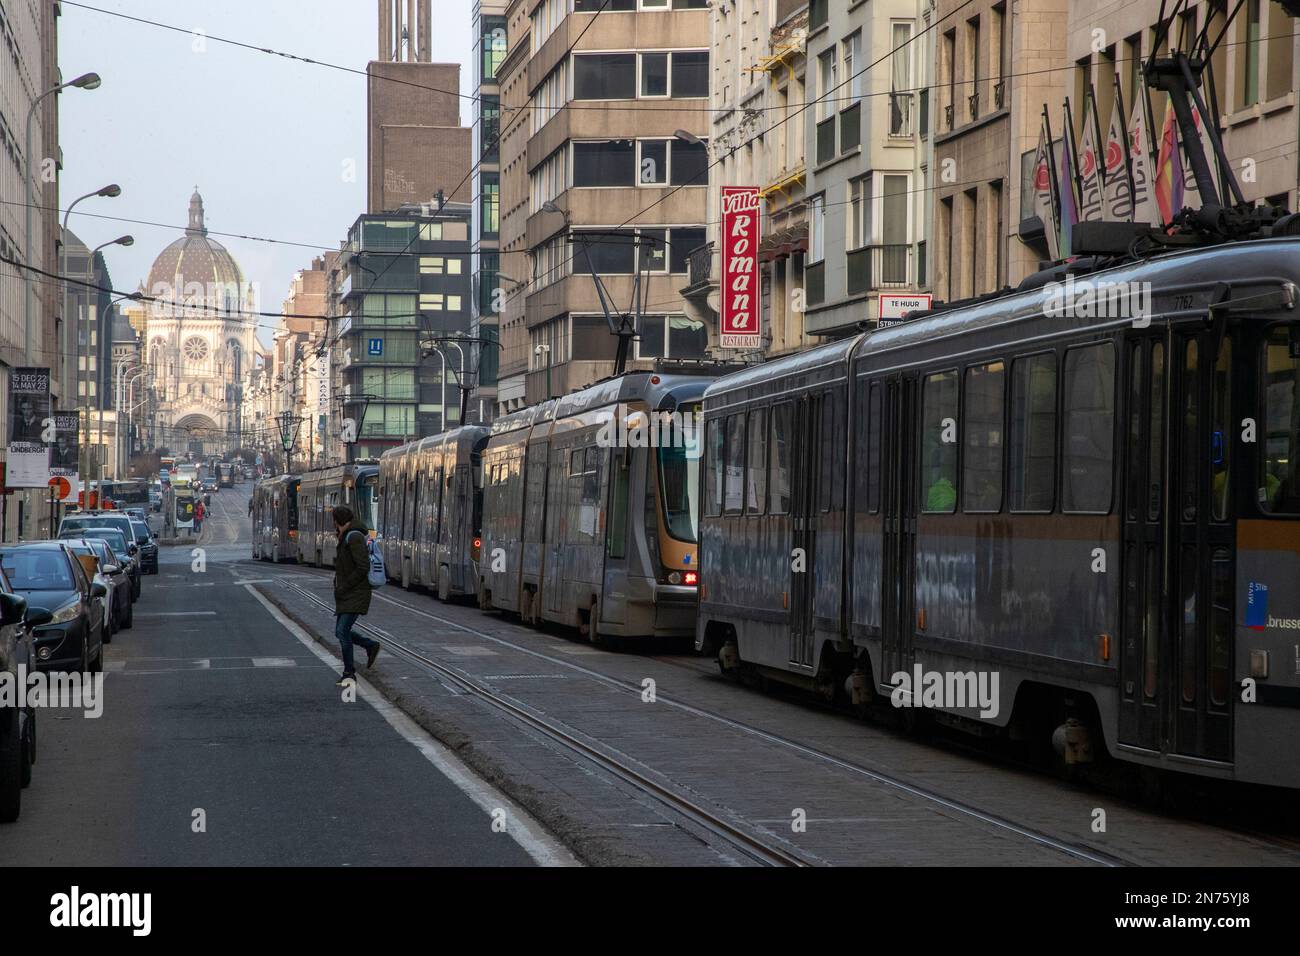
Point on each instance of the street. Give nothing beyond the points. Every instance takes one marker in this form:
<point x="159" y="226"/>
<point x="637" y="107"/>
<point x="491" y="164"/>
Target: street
<point x="216" y="713"/>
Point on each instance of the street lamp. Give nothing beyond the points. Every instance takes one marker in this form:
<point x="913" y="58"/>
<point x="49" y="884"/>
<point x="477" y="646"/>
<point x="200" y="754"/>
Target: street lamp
<point x="288" y="423"/>
<point x="111" y="191"/>
<point x="90" y="265"/>
<point x="688" y="137"/>
<point x="87" y="81"/>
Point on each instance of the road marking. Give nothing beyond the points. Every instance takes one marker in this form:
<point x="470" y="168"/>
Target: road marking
<point x="176" y="613"/>
<point x="273" y="662"/>
<point x="527" y="832"/>
<point x="470" y="651"/>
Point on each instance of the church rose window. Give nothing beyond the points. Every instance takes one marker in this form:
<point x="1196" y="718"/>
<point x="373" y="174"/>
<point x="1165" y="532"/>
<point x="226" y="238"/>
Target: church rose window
<point x="196" y="349"/>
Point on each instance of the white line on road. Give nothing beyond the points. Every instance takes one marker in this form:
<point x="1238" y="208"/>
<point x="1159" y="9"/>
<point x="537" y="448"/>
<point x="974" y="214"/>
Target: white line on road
<point x="528" y="833"/>
<point x="175" y="613"/>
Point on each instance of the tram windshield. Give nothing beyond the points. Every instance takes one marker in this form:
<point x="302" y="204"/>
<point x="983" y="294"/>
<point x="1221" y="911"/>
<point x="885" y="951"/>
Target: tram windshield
<point x="679" y="474"/>
<point x="1280" y="483"/>
<point x="367" y="493"/>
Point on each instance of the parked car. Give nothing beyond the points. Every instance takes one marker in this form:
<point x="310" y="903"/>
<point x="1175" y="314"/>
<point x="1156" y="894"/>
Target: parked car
<point x="148" y="547"/>
<point x="109" y="519"/>
<point x="17" y="725"/>
<point x="137" y="513"/>
<point x="119" y="609"/>
<point x="51" y="578"/>
<point x="126" y="555"/>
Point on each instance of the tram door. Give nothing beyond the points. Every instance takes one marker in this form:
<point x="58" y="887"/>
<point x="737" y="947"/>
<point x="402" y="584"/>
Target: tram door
<point x="809" y="434"/>
<point x="898" y="464"/>
<point x="1176" y="652"/>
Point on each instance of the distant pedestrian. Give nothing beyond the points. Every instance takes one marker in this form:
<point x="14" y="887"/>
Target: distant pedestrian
<point x="351" y="589"/>
<point x="199" y="512"/>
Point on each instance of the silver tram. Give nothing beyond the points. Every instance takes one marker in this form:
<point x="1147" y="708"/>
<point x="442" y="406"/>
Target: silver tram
<point x="275" y="519"/>
<point x="319" y="491"/>
<point x="590" y="508"/>
<point x="1103" y="512"/>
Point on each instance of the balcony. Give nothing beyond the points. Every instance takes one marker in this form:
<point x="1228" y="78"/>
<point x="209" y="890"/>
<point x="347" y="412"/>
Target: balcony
<point x="879" y="267"/>
<point x="699" y="266"/>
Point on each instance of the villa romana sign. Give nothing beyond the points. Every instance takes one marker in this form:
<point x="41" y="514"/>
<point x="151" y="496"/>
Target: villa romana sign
<point x="739" y="326"/>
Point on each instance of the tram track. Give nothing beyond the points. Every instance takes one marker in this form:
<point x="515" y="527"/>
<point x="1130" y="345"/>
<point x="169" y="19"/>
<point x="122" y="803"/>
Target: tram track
<point x="1006" y="826"/>
<point x="765" y="852"/>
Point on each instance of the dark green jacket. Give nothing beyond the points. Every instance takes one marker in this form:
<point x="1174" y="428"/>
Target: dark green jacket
<point x="351" y="567"/>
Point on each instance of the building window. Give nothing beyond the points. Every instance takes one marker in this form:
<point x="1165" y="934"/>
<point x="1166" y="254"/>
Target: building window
<point x="900" y="79"/>
<point x="670" y="336"/>
<point x="690" y="74"/>
<point x="859" y="219"/>
<point x="490" y="204"/>
<point x="604" y="163"/>
<point x="827" y="73"/>
<point x="816" y="228"/>
<point x="494" y="45"/>
<point x="654" y="75"/>
<point x="604" y="76"/>
<point x="440" y="265"/>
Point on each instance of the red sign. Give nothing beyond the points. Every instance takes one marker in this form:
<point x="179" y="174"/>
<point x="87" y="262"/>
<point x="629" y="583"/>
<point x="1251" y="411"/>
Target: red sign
<point x="739" y="323"/>
<point x="62" y="487"/>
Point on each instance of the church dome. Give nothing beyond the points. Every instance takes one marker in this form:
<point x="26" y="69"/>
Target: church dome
<point x="196" y="259"/>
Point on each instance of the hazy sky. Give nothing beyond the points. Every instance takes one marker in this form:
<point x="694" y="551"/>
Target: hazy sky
<point x="263" y="137"/>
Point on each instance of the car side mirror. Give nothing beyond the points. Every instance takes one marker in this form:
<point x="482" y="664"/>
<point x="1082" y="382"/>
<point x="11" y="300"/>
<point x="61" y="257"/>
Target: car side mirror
<point x="98" y="590"/>
<point x="13" y="608"/>
<point x="112" y="568"/>
<point x="38" y="616"/>
<point x="132" y="550"/>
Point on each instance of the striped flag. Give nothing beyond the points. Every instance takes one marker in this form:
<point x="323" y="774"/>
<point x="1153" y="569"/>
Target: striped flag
<point x="1140" y="153"/>
<point x="1118" y="204"/>
<point x="1043" y="206"/>
<point x="1169" y="169"/>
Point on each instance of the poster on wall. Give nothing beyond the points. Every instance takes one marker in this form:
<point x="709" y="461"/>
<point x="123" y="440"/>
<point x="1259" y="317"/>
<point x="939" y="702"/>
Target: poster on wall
<point x="29" y="419"/>
<point x="63" y="454"/>
<point x="739" y="321"/>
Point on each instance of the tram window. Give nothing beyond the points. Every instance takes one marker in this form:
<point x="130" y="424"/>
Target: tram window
<point x="939" y="443"/>
<point x="713" y="471"/>
<point x="1220" y="431"/>
<point x="829" y="444"/>
<point x="1032" y="458"/>
<point x="981" y="479"/>
<point x="734" y="472"/>
<point x="1193" y="452"/>
<point x="1156" y="434"/>
<point x="779" y="483"/>
<point x="1088" y="449"/>
<point x="874" y="440"/>
<point x="591" y="475"/>
<point x="756" y="477"/>
<point x="1279" y="485"/>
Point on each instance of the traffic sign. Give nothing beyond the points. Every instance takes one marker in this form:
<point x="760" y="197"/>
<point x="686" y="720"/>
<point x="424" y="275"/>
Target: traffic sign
<point x="893" y="306"/>
<point x="62" y="487"/>
<point x="374" y="346"/>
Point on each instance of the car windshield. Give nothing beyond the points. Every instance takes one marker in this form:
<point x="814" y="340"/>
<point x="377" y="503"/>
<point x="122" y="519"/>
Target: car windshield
<point x="103" y="552"/>
<point x="115" y="538"/>
<point x="43" y="569"/>
<point x="141" y="530"/>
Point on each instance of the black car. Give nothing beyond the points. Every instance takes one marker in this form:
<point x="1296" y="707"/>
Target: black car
<point x="148" y="547"/>
<point x="51" y="578"/>
<point x="17" y="725"/>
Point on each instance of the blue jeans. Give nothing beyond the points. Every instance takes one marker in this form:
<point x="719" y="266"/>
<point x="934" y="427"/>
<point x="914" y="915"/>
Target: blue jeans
<point x="343" y="631"/>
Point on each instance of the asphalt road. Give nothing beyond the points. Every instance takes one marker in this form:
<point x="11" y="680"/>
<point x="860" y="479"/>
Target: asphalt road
<point x="215" y="712"/>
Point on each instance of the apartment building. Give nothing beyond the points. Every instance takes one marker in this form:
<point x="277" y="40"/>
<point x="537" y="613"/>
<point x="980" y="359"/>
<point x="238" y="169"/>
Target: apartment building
<point x="490" y="49"/>
<point x="757" y="139"/>
<point x="604" y="172"/>
<point x="865" y="179"/>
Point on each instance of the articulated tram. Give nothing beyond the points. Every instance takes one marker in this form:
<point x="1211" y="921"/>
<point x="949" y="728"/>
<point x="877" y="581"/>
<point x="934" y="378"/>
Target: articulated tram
<point x="590" y="508"/>
<point x="430" y="511"/>
<point x="275" y="519"/>
<point x="355" y="485"/>
<point x="1103" y="511"/>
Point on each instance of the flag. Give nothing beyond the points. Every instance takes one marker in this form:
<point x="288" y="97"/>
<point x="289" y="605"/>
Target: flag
<point x="1042" y="185"/>
<point x="1092" y="191"/>
<point x="1118" y="204"/>
<point x="1169" y="169"/>
<point x="1065" y="187"/>
<point x="1140" y="155"/>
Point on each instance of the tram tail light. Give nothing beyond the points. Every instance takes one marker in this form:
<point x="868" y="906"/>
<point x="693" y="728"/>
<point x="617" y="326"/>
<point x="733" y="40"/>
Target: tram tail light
<point x="1105" y="647"/>
<point x="478" y="545"/>
<point x="691" y="577"/>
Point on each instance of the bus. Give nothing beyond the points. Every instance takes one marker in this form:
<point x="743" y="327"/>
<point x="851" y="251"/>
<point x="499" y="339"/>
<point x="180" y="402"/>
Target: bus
<point x="225" y="475"/>
<point x="166" y="468"/>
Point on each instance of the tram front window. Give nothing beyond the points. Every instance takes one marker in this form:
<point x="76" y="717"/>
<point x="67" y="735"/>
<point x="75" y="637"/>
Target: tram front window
<point x="679" y="477"/>
<point x="367" y="493"/>
<point x="1280" y="482"/>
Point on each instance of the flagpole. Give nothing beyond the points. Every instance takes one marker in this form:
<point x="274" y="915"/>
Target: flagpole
<point x="1128" y="153"/>
<point x="1099" y="145"/>
<point x="1051" y="164"/>
<point x="1067" y="142"/>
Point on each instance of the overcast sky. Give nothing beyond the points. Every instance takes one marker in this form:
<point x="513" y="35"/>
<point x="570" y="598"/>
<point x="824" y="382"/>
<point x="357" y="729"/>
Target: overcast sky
<point x="264" y="138"/>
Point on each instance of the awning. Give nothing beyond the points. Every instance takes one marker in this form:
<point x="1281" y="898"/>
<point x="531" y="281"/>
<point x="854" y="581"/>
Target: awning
<point x="784" y="243"/>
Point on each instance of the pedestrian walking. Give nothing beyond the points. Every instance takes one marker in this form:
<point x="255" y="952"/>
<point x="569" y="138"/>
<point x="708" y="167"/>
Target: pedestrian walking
<point x="199" y="511"/>
<point x="351" y="589"/>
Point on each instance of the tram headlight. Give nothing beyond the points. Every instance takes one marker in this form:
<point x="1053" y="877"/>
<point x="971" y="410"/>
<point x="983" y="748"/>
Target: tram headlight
<point x="675" y="577"/>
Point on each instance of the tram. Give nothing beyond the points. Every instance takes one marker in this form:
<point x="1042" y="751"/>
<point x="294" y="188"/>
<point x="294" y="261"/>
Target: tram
<point x="319" y="491"/>
<point x="590" y="508"/>
<point x="275" y="519"/>
<point x="1101" y="510"/>
<point x="430" y="511"/>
